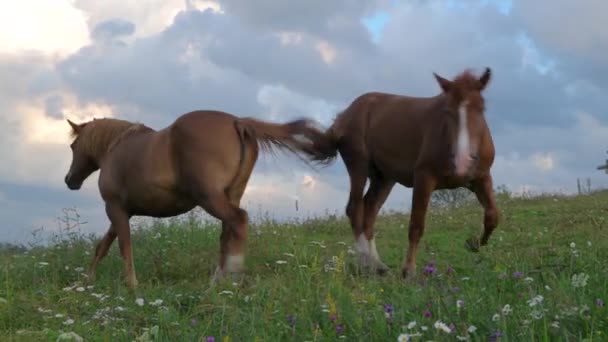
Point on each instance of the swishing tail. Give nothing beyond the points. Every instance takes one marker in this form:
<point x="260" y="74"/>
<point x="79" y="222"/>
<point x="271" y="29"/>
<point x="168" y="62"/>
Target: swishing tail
<point x="299" y="136"/>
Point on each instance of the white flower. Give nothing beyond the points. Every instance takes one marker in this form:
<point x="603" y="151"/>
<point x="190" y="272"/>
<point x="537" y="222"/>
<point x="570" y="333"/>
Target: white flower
<point x="465" y="278"/>
<point x="579" y="280"/>
<point x="281" y="262"/>
<point x="462" y="338"/>
<point x="439" y="325"/>
<point x="589" y="243"/>
<point x="411" y="325"/>
<point x="459" y="303"/>
<point x="424" y="328"/>
<point x="80" y="289"/>
<point x="69" y="288"/>
<point x="506" y="310"/>
<point x="157" y="302"/>
<point x="79" y="269"/>
<point x="537" y="314"/>
<point x="226" y="292"/>
<point x="536" y="300"/>
<point x="291" y="255"/>
<point x="572" y="245"/>
<point x="68" y="321"/>
<point x="139" y="301"/>
<point x="547" y="287"/>
<point x="43" y="263"/>
<point x="119" y="308"/>
<point x="59" y="315"/>
<point x="407" y="337"/>
<point x="528" y="279"/>
<point x="555" y="324"/>
<point x="472" y="329"/>
<point x="70" y="336"/>
<point x="496" y="318"/>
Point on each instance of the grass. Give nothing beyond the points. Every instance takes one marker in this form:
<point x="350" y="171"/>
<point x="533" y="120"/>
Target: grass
<point x="543" y="277"/>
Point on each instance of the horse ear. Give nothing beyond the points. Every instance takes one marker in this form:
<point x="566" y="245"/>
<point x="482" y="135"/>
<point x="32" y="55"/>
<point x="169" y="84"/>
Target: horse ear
<point x="443" y="83"/>
<point x="484" y="79"/>
<point x="76" y="128"/>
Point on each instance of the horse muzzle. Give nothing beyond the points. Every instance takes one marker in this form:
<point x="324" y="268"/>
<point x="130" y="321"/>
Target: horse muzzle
<point x="72" y="185"/>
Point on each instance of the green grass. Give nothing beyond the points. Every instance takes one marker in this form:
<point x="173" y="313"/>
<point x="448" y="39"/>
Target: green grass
<point x="318" y="294"/>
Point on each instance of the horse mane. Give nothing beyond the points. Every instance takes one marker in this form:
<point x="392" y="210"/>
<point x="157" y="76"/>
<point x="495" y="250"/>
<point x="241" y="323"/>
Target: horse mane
<point x="465" y="82"/>
<point x="99" y="136"/>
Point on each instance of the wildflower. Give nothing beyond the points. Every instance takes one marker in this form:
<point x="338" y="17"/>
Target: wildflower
<point x="555" y="324"/>
<point x="424" y="328"/>
<point x="388" y="308"/>
<point x="547" y="287"/>
<point x="535" y="301"/>
<point x="333" y="318"/>
<point x="439" y="325"/>
<point x="472" y="329"/>
<point x="404" y="338"/>
<point x="157" y="302"/>
<point x="465" y="278"/>
<point x="450" y="270"/>
<point x="339" y="328"/>
<point x="68" y="321"/>
<point x="291" y="320"/>
<point x="194" y="322"/>
<point x="462" y="338"/>
<point x="43" y="263"/>
<point x="59" y="315"/>
<point x="506" y="310"/>
<point x="528" y="279"/>
<point x="459" y="303"/>
<point x="210" y="339"/>
<point x="517" y="275"/>
<point x="537" y="314"/>
<point x="599" y="303"/>
<point x="427" y="313"/>
<point x="411" y="325"/>
<point x="79" y="269"/>
<point x="69" y="336"/>
<point x="572" y="245"/>
<point x="496" y="335"/>
<point x="430" y="268"/>
<point x="226" y="292"/>
<point x="139" y="301"/>
<point x="496" y="317"/>
<point x="80" y="289"/>
<point x="119" y="309"/>
<point x="579" y="280"/>
<point x="280" y="262"/>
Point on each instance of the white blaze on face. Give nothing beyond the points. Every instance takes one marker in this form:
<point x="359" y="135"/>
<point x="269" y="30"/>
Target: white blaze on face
<point x="463" y="149"/>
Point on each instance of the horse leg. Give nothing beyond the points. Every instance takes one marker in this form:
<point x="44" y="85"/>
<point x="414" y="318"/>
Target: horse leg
<point x="120" y="222"/>
<point x="483" y="189"/>
<point x="355" y="209"/>
<point x="379" y="189"/>
<point x="101" y="250"/>
<point x="424" y="184"/>
<point x="233" y="236"/>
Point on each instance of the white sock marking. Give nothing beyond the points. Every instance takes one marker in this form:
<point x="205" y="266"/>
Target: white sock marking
<point x="234" y="263"/>
<point x="373" y="251"/>
<point x="362" y="245"/>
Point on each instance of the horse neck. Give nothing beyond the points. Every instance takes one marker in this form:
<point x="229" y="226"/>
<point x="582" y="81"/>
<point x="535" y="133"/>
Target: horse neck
<point x="103" y="139"/>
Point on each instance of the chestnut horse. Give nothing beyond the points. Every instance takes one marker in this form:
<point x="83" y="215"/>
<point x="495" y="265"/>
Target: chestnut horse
<point x="204" y="158"/>
<point x="424" y="143"/>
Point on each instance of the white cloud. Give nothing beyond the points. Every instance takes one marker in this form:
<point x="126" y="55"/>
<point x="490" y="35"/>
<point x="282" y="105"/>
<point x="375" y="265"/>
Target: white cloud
<point x="50" y="26"/>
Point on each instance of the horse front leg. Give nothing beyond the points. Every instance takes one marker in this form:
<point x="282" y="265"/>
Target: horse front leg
<point x="424" y="184"/>
<point x="120" y="222"/>
<point x="484" y="191"/>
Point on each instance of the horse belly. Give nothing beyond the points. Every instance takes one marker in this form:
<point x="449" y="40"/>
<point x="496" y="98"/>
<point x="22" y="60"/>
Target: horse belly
<point x="160" y="203"/>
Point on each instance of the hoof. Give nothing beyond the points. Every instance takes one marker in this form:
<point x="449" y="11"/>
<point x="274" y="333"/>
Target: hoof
<point x="382" y="269"/>
<point x="472" y="245"/>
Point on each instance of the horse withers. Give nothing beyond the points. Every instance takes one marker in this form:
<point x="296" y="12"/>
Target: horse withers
<point x="424" y="143"/>
<point x="204" y="158"/>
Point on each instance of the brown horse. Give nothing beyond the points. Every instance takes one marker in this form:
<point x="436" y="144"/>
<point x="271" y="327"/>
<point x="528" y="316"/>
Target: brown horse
<point x="204" y="158"/>
<point x="439" y="142"/>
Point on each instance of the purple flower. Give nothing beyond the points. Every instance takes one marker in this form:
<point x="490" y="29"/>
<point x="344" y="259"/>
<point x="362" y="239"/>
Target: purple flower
<point x="291" y="319"/>
<point x="430" y="268"/>
<point x="599" y="303"/>
<point x="388" y="308"/>
<point x="517" y="275"/>
<point x="496" y="335"/>
<point x="210" y="339"/>
<point x="427" y="313"/>
<point x="452" y="327"/>
<point x="339" y="328"/>
<point x="450" y="270"/>
<point x="332" y="318"/>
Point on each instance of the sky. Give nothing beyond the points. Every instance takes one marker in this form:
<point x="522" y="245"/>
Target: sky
<point x="153" y="60"/>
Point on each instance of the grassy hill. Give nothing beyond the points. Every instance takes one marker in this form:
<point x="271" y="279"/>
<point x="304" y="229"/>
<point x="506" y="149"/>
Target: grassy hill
<point x="543" y="277"/>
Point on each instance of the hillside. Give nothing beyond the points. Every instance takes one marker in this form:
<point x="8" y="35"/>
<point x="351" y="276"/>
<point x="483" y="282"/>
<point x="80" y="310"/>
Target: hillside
<point x="543" y="277"/>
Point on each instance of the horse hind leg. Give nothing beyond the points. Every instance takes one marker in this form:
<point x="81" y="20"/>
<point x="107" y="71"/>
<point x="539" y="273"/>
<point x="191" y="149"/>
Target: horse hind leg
<point x="376" y="195"/>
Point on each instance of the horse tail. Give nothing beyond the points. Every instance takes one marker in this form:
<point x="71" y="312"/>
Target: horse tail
<point x="300" y="137"/>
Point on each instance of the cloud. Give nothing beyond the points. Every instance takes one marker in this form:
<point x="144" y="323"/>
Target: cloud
<point x="279" y="61"/>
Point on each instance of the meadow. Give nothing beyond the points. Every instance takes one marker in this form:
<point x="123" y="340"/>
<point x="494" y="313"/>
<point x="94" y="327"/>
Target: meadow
<point x="543" y="277"/>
